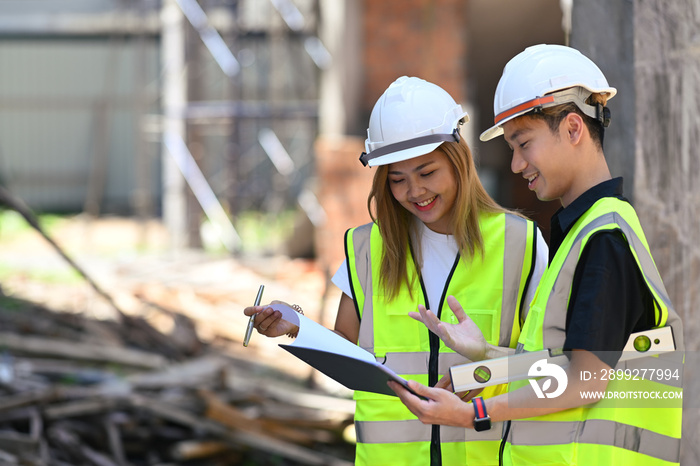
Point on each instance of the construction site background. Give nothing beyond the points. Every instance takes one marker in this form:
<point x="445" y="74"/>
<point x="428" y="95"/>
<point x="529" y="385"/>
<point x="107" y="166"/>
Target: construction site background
<point x="184" y="152"/>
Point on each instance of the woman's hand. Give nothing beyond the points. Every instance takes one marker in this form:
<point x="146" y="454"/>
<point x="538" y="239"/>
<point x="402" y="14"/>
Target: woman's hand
<point x="269" y="322"/>
<point x="464" y="337"/>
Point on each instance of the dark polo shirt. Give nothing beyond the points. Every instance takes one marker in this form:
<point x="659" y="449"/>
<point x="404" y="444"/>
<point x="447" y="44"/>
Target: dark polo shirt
<point x="609" y="297"/>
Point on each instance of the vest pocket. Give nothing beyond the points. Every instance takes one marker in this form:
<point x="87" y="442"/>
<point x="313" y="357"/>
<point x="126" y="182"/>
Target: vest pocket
<point x="394" y="330"/>
<point x="487" y="321"/>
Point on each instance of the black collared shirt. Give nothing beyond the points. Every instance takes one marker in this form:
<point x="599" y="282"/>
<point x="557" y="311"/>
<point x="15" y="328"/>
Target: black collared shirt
<point x="609" y="297"/>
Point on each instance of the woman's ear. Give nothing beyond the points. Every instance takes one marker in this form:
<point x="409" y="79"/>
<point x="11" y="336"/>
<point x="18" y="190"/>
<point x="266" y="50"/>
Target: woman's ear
<point x="574" y="126"/>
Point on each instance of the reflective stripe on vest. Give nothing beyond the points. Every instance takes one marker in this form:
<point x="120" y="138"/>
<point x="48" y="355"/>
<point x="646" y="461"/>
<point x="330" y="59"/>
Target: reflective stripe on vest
<point x="599" y="432"/>
<point x="416" y="362"/>
<point x="596" y="425"/>
<point x="555" y="322"/>
<point x="506" y="236"/>
<point x="415" y="431"/>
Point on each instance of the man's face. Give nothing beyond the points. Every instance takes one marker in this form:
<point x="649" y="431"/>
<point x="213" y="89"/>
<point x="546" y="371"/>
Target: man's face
<point x="541" y="156"/>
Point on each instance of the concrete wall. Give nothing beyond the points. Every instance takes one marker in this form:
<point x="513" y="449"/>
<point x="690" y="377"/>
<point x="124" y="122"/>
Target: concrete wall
<point x="650" y="50"/>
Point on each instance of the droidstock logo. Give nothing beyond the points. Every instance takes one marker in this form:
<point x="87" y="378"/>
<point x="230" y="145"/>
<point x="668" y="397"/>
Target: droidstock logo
<point x="542" y="368"/>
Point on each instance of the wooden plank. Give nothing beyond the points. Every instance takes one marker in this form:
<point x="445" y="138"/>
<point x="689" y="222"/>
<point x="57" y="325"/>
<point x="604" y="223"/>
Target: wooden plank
<point x="115" y="441"/>
<point x="80" y="351"/>
<point x="198" y="449"/>
<point x="191" y="373"/>
<point x="78" y="408"/>
<point x="234" y="418"/>
<point x="9" y="402"/>
<point x="8" y="458"/>
<point x="248" y="439"/>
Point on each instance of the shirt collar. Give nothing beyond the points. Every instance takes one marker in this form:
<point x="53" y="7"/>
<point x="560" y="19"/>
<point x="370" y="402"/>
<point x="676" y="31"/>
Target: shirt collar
<point x="569" y="214"/>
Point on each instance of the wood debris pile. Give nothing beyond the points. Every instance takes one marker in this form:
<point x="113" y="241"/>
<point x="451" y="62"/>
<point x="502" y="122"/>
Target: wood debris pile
<point x="76" y="391"/>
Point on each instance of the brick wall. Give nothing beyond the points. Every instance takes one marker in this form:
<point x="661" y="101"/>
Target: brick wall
<point x="423" y="38"/>
<point x="343" y="187"/>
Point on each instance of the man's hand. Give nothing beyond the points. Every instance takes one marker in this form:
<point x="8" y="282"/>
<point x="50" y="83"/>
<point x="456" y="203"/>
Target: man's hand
<point x="446" y="384"/>
<point x="464" y="337"/>
<point x="440" y="406"/>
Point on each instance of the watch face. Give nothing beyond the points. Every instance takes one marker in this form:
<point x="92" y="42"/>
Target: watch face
<point x="481" y="425"/>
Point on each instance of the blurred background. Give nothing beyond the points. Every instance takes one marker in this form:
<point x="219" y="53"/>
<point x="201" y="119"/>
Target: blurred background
<point x="182" y="152"/>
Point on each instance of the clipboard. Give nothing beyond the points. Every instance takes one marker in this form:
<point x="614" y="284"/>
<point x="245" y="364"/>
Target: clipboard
<point x="336" y="357"/>
<point x="352" y="373"/>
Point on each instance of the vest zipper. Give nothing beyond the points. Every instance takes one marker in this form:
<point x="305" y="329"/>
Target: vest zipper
<point x="433" y="364"/>
<point x="434" y="341"/>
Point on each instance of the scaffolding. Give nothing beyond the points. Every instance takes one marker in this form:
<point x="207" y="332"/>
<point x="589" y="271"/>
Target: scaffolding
<point x="224" y="92"/>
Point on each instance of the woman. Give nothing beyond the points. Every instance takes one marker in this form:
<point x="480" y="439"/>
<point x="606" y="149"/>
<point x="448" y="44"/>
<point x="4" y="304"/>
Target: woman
<point x="436" y="233"/>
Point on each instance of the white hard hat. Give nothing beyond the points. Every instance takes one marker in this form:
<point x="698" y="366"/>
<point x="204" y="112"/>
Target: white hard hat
<point x="544" y="76"/>
<point x="412" y="118"/>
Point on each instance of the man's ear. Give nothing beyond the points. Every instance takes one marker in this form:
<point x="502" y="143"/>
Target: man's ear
<point x="574" y="127"/>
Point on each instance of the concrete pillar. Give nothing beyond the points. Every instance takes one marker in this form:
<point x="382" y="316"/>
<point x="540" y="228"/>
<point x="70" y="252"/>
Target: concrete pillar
<point x="341" y="82"/>
<point x="650" y="51"/>
<point x="342" y="183"/>
<point x="174" y="95"/>
<point x="603" y="31"/>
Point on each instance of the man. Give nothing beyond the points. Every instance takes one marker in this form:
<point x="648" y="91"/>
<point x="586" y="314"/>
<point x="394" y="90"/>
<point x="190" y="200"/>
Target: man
<point x="601" y="284"/>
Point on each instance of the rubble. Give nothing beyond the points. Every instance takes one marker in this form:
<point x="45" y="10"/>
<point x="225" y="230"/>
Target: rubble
<point x="75" y="390"/>
<point x="138" y="367"/>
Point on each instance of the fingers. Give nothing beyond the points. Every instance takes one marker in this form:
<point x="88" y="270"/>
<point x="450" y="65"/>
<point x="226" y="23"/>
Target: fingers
<point x="427" y="393"/>
<point x="428" y="317"/>
<point x="415" y="316"/>
<point x="409" y="399"/>
<point x="250" y="310"/>
<point x="265" y="317"/>
<point x="421" y="315"/>
<point x="456" y="309"/>
<point x="264" y="321"/>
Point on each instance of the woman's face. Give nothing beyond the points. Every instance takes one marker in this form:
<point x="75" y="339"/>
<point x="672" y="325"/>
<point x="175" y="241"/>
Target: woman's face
<point x="426" y="186"/>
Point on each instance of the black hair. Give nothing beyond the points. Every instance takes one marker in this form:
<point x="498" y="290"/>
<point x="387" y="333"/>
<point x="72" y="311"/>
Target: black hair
<point x="553" y="116"/>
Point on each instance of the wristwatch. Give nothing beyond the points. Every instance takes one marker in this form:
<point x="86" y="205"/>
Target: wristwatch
<point x="482" y="421"/>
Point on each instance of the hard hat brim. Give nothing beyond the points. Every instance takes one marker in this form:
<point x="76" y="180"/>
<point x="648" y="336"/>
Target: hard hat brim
<point x="405" y="154"/>
<point x="568" y="95"/>
<point x="493" y="131"/>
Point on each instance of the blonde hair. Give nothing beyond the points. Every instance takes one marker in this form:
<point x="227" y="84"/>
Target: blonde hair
<point x="396" y="223"/>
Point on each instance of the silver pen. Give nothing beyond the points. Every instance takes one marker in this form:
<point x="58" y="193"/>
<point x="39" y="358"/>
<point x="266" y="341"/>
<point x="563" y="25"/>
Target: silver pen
<point x="251" y="321"/>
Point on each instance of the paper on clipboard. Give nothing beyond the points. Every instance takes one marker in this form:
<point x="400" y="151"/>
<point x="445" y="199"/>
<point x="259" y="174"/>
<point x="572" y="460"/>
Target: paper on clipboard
<point x="336" y="357"/>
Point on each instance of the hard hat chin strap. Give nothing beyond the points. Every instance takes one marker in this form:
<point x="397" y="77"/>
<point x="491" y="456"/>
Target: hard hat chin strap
<point x="603" y="115"/>
<point x="408" y="144"/>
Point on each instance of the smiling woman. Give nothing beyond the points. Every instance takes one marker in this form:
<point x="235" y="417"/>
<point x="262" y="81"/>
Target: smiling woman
<point x="436" y="233"/>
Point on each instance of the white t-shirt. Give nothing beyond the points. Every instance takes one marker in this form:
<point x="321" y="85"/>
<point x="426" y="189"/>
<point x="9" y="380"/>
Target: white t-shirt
<point x="439" y="253"/>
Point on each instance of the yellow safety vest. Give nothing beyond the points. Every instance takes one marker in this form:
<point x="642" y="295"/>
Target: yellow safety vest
<point x="624" y="427"/>
<point x="491" y="289"/>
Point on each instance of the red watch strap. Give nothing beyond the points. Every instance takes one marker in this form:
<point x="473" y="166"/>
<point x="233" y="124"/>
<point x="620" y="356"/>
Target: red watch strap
<point x="479" y="407"/>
